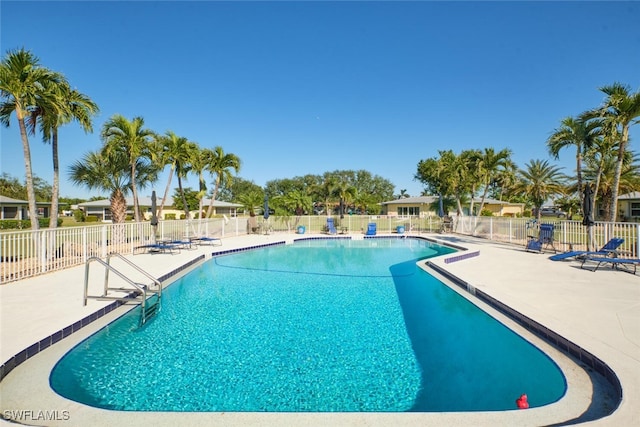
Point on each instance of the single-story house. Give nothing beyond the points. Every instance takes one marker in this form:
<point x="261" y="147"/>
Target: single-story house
<point x="102" y="208"/>
<point x="19" y="209"/>
<point x="629" y="206"/>
<point x="427" y="205"/>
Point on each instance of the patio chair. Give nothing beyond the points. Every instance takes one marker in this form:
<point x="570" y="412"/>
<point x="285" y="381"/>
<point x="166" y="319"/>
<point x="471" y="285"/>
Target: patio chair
<point x="616" y="263"/>
<point x="609" y="249"/>
<point x="157" y="248"/>
<point x="331" y="226"/>
<point x="204" y="240"/>
<point x="544" y="238"/>
<point x="371" y="229"/>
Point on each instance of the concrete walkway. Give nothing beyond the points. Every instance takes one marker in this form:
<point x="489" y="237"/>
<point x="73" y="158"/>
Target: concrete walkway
<point x="598" y="311"/>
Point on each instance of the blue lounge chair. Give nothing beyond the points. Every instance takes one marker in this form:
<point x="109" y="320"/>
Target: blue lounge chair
<point x="607" y="250"/>
<point x="616" y="263"/>
<point x="157" y="248"/>
<point x="331" y="226"/>
<point x="544" y="238"/>
<point x="371" y="229"/>
<point x="212" y="241"/>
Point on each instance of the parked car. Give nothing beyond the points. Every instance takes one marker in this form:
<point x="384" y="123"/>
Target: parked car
<point x="553" y="211"/>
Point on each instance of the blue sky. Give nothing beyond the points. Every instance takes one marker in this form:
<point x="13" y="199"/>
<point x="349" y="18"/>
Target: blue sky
<point x="308" y="87"/>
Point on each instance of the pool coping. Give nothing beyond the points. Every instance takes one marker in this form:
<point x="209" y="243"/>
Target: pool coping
<point x="561" y="343"/>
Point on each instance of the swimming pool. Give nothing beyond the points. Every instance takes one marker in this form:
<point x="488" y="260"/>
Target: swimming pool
<point x="322" y="325"/>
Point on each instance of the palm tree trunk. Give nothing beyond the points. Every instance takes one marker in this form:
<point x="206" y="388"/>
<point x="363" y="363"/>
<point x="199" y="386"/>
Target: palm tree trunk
<point x="184" y="200"/>
<point x="616" y="178"/>
<point x="484" y="196"/>
<point x="31" y="194"/>
<point x="55" y="190"/>
<point x="166" y="190"/>
<point x="213" y="197"/>
<point x="579" y="174"/>
<point x="134" y="190"/>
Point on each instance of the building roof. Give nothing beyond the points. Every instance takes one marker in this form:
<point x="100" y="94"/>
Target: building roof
<point x="629" y="196"/>
<point x="427" y="200"/>
<point x="146" y="201"/>
<point x="4" y="200"/>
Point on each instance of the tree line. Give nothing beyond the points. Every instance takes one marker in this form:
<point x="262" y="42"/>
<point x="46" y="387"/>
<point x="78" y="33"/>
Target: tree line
<point x="604" y="161"/>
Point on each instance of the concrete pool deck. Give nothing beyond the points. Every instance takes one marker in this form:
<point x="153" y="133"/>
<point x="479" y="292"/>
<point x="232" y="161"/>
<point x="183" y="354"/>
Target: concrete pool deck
<point x="597" y="311"/>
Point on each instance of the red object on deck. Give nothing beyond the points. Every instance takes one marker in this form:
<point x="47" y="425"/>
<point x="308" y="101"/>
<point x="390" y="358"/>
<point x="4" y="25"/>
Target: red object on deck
<point x="522" y="402"/>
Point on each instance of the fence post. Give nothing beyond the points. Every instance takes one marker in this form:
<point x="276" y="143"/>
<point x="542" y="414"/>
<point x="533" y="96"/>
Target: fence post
<point x="104" y="241"/>
<point x="637" y="254"/>
<point x="43" y="250"/>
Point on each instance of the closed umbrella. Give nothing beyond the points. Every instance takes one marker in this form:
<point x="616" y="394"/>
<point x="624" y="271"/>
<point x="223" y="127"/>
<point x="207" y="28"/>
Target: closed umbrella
<point x="266" y="214"/>
<point x="587" y="212"/>
<point x="154" y="215"/>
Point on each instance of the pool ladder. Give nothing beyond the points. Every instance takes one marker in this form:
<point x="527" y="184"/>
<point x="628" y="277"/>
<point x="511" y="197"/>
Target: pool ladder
<point x="149" y="296"/>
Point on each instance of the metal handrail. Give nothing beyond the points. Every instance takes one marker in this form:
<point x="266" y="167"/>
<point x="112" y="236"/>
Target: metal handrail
<point x="140" y="270"/>
<point x="141" y="288"/>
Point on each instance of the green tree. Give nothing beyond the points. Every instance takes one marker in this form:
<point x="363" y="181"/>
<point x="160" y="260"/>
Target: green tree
<point x="229" y="192"/>
<point x="131" y="138"/>
<point x="620" y="111"/>
<point x="606" y="171"/>
<point x="185" y="199"/>
<point x="10" y="186"/>
<point x="576" y="133"/>
<point x="23" y="84"/>
<point x="491" y="164"/>
<point x="220" y="164"/>
<point x="61" y="106"/>
<point x="173" y="151"/>
<point x="105" y="171"/>
<point x="251" y="201"/>
<point x="538" y="182"/>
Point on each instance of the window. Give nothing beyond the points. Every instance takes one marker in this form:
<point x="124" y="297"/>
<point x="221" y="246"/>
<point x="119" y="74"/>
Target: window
<point x="635" y="209"/>
<point x="408" y="211"/>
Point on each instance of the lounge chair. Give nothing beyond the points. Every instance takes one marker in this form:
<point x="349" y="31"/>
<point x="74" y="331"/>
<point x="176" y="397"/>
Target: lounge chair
<point x="157" y="248"/>
<point x="616" y="263"/>
<point x="608" y="249"/>
<point x="544" y="238"/>
<point x="371" y="229"/>
<point x="331" y="226"/>
<point x="204" y="240"/>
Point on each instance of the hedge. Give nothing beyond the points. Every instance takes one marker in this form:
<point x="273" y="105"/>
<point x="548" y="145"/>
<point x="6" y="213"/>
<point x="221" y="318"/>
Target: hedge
<point x="24" y="224"/>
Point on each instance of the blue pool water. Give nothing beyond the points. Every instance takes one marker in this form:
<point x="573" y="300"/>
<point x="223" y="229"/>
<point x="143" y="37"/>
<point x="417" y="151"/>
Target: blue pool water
<point x="320" y="325"/>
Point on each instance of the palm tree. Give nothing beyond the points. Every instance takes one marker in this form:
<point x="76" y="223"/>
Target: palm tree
<point x="491" y="163"/>
<point x="220" y="165"/>
<point x="605" y="170"/>
<point x="183" y="167"/>
<point x="105" y="171"/>
<point x="345" y="193"/>
<point x="170" y="150"/>
<point x="538" y="182"/>
<point x="251" y="200"/>
<point x="130" y="137"/>
<point x="22" y="87"/>
<point x="199" y="163"/>
<point x="621" y="109"/>
<point x="62" y="105"/>
<point x="573" y="132"/>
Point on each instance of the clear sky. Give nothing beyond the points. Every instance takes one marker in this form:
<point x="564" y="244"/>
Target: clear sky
<point x="308" y="87"/>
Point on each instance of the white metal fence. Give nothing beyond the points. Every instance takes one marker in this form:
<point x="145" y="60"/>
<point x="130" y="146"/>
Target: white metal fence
<point x="25" y="253"/>
<point x="568" y="235"/>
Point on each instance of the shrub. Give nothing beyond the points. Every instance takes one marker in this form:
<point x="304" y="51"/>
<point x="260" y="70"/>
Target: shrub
<point x="78" y="215"/>
<point x="486" y="212"/>
<point x="91" y="218"/>
<point x="170" y="216"/>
